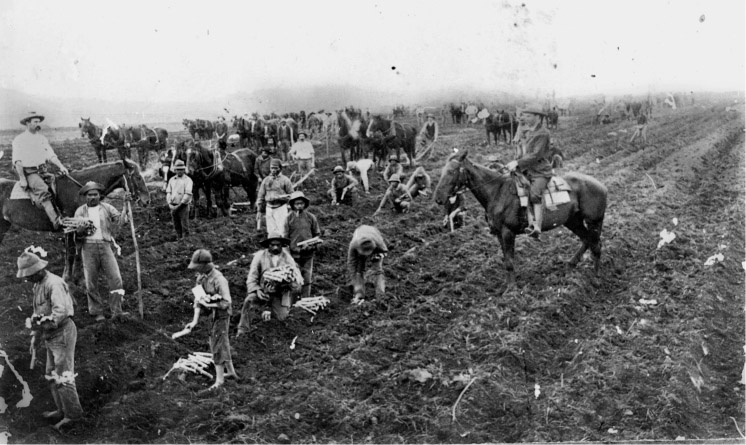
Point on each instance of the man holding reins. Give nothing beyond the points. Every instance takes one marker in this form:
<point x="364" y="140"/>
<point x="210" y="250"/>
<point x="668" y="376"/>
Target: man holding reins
<point x="31" y="152"/>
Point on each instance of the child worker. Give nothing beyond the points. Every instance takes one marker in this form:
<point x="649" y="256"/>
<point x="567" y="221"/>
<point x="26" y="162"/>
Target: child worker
<point x="303" y="231"/>
<point x="217" y="300"/>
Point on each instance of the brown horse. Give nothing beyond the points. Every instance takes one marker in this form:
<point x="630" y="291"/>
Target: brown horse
<point x="583" y="215"/>
<point x="22" y="213"/>
<point x="395" y="135"/>
<point x="93" y="132"/>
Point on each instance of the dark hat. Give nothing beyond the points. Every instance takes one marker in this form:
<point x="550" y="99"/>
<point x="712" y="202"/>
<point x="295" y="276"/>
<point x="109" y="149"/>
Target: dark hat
<point x="179" y="165"/>
<point x="200" y="257"/>
<point x="275" y="163"/>
<point x="30" y="116"/>
<point x="29" y="264"/>
<point x="339" y="169"/>
<point x="91" y="185"/>
<point x="298" y="195"/>
<point x="273" y="237"/>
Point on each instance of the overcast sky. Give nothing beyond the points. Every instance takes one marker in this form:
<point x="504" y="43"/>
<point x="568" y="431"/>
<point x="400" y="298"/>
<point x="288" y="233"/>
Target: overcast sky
<point x="180" y="50"/>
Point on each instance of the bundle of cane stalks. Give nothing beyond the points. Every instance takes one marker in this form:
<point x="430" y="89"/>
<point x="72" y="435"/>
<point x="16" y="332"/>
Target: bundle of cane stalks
<point x="73" y="224"/>
<point x="196" y="362"/>
<point x="312" y="304"/>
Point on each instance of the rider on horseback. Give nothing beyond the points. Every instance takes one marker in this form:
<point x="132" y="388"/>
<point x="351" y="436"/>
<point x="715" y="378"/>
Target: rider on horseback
<point x="535" y="164"/>
<point x="31" y="152"/>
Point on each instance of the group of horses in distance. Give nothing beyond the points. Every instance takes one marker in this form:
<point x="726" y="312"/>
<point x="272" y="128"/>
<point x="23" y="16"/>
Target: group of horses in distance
<point x="123" y="138"/>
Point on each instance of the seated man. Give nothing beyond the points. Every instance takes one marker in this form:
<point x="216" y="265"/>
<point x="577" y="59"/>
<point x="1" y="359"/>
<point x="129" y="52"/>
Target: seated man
<point x="419" y="184"/>
<point x="274" y="279"/>
<point x="342" y="187"/>
<point x="397" y="194"/>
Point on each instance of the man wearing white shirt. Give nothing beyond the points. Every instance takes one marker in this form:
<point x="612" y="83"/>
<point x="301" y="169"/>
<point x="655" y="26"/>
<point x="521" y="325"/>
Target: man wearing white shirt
<point x="31" y="152"/>
<point x="302" y="151"/>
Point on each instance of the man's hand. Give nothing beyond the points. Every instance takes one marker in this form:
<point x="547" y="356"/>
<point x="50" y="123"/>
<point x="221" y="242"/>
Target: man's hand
<point x="512" y="165"/>
<point x="266" y="315"/>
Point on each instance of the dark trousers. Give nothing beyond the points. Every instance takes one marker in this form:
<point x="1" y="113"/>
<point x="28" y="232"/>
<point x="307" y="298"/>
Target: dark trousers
<point x="180" y="217"/>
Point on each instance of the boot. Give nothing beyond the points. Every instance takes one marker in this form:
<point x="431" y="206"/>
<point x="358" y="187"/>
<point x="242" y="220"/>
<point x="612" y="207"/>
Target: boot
<point x="52" y="214"/>
<point x="537" y="216"/>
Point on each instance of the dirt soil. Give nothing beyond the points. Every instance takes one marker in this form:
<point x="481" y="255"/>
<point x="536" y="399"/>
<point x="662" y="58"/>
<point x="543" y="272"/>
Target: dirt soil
<point x="651" y="349"/>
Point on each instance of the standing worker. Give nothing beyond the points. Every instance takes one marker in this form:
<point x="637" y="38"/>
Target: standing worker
<point x="52" y="320"/>
<point x="217" y="300"/>
<point x="179" y="197"/>
<point x="96" y="251"/>
<point x="302" y="226"/>
<point x="272" y="198"/>
<point x="303" y="152"/>
<point x="31" y="152"/>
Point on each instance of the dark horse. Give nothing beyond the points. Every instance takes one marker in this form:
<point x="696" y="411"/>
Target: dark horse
<point x="395" y="135"/>
<point x="583" y="215"/>
<point x="211" y="172"/>
<point x="22" y="213"/>
<point x="93" y="133"/>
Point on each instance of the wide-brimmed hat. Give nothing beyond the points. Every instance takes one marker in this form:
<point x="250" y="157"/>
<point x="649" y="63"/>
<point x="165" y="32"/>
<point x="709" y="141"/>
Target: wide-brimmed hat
<point x="30" y="116"/>
<point x="29" y="264"/>
<point x="275" y="237"/>
<point x="394" y="178"/>
<point x="339" y="169"/>
<point x="275" y="163"/>
<point x="296" y="196"/>
<point x="91" y="185"/>
<point x="200" y="257"/>
<point x="179" y="165"/>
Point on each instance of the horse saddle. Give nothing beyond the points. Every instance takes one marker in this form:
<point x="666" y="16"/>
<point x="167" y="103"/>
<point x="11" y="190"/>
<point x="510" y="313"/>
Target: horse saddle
<point x="557" y="192"/>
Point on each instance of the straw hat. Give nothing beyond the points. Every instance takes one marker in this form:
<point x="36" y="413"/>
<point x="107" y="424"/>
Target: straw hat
<point x="29" y="264"/>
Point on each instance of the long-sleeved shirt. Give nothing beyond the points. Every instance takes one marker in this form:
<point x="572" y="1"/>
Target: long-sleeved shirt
<point x="302" y="150"/>
<point x="261" y="167"/>
<point x="264" y="261"/>
<point x="363" y="234"/>
<point x="537" y="158"/>
<point x="179" y="190"/>
<point x="301" y="226"/>
<point x="214" y="283"/>
<point x="108" y="215"/>
<point x="272" y="188"/>
<point x="52" y="298"/>
<point x="32" y="149"/>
